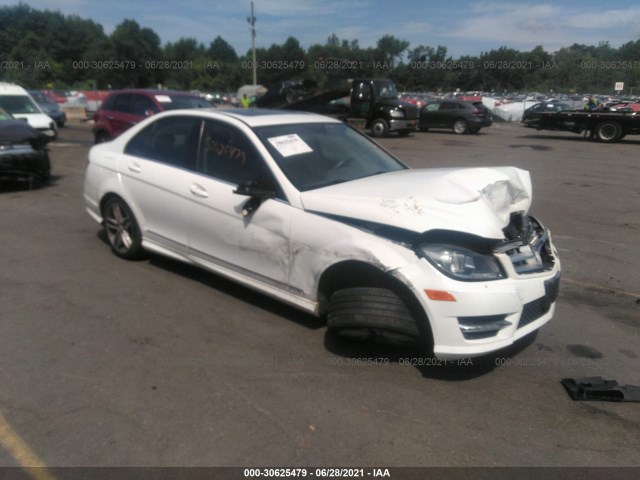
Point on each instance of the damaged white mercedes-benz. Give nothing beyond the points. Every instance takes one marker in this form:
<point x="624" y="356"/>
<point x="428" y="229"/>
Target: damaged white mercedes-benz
<point x="310" y="211"/>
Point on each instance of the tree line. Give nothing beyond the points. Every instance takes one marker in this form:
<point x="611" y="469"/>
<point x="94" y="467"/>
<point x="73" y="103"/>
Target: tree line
<point x="46" y="49"/>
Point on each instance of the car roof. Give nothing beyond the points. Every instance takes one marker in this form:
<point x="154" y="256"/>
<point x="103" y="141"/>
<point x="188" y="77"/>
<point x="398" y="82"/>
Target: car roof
<point x="11" y="89"/>
<point x="260" y="117"/>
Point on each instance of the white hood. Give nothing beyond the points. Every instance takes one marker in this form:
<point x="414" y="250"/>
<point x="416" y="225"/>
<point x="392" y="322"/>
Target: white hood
<point x="472" y="200"/>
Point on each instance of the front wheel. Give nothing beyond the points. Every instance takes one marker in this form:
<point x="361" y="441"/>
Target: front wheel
<point x="122" y="230"/>
<point x="366" y="312"/>
<point x="608" y="132"/>
<point x="379" y="128"/>
<point x="460" y="126"/>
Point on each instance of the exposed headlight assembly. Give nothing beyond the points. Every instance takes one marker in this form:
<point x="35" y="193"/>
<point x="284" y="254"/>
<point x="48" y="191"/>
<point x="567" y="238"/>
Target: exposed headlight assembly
<point x="461" y="263"/>
<point x="397" y="113"/>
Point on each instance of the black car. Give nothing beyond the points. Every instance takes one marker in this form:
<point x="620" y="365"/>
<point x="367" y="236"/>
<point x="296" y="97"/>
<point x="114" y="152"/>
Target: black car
<point x="530" y="117"/>
<point x="49" y="106"/>
<point x="459" y="115"/>
<point x="23" y="152"/>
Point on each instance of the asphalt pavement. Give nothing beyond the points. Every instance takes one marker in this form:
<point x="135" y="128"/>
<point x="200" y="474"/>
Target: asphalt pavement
<point x="153" y="363"/>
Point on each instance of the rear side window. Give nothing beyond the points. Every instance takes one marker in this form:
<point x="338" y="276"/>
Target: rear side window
<point x="449" y="106"/>
<point x="172" y="140"/>
<point x="481" y="106"/>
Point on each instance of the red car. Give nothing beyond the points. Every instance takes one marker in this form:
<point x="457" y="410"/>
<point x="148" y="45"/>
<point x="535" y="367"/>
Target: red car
<point x="122" y="109"/>
<point x="625" y="107"/>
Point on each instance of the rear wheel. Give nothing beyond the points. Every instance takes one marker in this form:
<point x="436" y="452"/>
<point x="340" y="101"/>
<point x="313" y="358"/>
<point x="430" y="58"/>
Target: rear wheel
<point x="379" y="128"/>
<point x="608" y="132"/>
<point x="368" y="312"/>
<point x="122" y="230"/>
<point x="460" y="126"/>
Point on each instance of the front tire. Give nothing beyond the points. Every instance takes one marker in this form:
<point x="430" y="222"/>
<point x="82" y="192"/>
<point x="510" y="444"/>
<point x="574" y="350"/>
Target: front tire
<point x="122" y="230"/>
<point x="379" y="128"/>
<point x="366" y="312"/>
<point x="460" y="126"/>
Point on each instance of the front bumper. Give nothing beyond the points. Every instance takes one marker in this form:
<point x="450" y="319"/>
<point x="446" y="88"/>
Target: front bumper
<point x="404" y="124"/>
<point x="18" y="162"/>
<point x="485" y="316"/>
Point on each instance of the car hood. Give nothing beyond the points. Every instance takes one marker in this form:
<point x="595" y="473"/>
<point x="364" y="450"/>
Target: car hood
<point x="478" y="201"/>
<point x="36" y="120"/>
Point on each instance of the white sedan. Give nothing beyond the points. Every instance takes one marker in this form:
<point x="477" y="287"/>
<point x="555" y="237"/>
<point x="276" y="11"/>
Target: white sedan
<point x="308" y="210"/>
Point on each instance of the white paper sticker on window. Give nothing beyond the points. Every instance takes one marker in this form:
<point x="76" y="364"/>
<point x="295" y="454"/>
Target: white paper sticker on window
<point x="288" y="145"/>
<point x="163" y="98"/>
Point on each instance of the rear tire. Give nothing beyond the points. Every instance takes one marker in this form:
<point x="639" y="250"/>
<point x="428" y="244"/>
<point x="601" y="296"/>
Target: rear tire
<point x="122" y="230"/>
<point x="608" y="132"/>
<point x="366" y="312"/>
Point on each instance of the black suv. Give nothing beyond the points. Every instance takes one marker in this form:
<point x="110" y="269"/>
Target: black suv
<point x="461" y="116"/>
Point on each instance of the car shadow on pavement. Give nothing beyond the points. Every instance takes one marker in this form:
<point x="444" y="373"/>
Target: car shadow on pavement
<point x="378" y="351"/>
<point x="236" y="290"/>
<point x="12" y="185"/>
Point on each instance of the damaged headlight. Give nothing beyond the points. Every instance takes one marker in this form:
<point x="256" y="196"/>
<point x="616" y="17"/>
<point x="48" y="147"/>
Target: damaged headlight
<point x="397" y="113"/>
<point x="461" y="263"/>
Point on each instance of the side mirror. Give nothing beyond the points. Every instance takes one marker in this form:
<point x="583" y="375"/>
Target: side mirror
<point x="257" y="194"/>
<point x="253" y="188"/>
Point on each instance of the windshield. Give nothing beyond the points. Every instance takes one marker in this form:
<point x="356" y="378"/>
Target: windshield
<point x="18" y="104"/>
<point x="176" y="102"/>
<point x="315" y="155"/>
<point x="385" y="89"/>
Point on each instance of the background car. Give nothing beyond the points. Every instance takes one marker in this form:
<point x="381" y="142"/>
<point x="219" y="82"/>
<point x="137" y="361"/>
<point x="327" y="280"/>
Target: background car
<point x="461" y="116"/>
<point x="625" y="107"/>
<point x="16" y="100"/>
<point x="122" y="109"/>
<point x="49" y="106"/>
<point x="530" y="118"/>
<point x="23" y="152"/>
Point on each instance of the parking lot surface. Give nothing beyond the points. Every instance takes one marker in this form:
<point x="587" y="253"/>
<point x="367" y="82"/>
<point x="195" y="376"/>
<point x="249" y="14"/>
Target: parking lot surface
<point x="154" y="363"/>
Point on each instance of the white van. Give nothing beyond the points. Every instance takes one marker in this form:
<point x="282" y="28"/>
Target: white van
<point x="15" y="100"/>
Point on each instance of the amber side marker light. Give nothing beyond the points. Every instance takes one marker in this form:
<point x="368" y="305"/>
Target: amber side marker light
<point x="439" y="295"/>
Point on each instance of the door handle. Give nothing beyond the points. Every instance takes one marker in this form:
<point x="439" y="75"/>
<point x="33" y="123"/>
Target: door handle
<point x="134" y="167"/>
<point x="199" y="190"/>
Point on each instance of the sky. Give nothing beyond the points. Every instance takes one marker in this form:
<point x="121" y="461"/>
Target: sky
<point x="465" y="27"/>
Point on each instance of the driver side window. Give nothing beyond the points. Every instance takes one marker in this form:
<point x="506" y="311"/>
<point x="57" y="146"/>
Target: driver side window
<point x="226" y="154"/>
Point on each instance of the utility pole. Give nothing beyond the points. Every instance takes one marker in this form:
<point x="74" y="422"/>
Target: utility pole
<point x="252" y="22"/>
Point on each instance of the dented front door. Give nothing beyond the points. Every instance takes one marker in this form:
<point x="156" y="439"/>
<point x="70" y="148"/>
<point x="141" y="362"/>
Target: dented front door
<point x="256" y="245"/>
